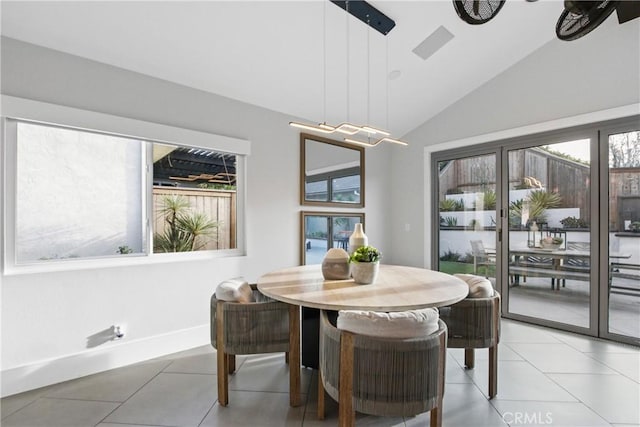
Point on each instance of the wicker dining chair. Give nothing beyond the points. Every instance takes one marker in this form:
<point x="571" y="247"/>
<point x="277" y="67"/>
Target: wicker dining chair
<point x="475" y="323"/>
<point x="247" y="328"/>
<point x="379" y="375"/>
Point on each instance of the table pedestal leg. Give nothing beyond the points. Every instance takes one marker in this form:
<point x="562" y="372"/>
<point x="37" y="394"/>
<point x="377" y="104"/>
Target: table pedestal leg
<point x="294" y="355"/>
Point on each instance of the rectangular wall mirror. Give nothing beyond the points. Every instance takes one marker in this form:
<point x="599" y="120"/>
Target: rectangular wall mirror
<point x="331" y="172"/>
<point x="321" y="231"/>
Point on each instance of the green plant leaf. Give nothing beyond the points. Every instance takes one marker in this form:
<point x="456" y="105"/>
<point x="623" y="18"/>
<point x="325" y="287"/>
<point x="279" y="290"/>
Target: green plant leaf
<point x="184" y="229"/>
<point x="365" y="254"/>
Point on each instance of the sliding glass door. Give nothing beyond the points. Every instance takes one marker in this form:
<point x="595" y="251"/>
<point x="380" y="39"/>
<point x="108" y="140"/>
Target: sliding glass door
<point x="467" y="222"/>
<point x="549" y="239"/>
<point x="621" y="296"/>
<point x="553" y="220"/>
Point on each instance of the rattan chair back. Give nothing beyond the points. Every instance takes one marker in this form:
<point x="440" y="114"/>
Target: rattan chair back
<point x="389" y="376"/>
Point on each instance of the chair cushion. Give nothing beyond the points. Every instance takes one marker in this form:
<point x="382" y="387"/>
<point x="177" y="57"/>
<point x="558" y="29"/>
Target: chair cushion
<point x="479" y="287"/>
<point x="235" y="290"/>
<point x="402" y="324"/>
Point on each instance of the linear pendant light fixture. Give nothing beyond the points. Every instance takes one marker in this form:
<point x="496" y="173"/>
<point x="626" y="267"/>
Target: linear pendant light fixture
<point x="373" y="135"/>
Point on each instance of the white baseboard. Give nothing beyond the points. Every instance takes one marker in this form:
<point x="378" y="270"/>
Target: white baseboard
<point x="39" y="374"/>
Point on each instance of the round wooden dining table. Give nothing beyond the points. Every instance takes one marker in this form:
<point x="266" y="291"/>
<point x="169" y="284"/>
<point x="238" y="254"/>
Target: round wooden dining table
<point x="397" y="288"/>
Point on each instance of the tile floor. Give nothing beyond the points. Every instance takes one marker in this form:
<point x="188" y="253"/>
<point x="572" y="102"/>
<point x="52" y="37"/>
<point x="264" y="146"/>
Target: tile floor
<point x="570" y="304"/>
<point x="546" y="377"/>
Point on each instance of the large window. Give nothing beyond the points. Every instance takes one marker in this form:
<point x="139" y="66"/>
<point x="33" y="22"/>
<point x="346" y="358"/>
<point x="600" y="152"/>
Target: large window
<point x="82" y="194"/>
<point x="194" y="199"/>
<point x="78" y="194"/>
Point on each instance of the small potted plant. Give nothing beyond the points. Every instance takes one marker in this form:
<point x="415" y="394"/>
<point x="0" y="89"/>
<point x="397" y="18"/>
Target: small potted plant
<point x="551" y="242"/>
<point x="365" y="263"/>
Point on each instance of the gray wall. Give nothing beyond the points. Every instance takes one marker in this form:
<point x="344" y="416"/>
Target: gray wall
<point x="47" y="318"/>
<point x="562" y="79"/>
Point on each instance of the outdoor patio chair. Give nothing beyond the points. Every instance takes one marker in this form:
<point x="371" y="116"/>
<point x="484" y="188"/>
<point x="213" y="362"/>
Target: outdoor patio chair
<point x="258" y="326"/>
<point x="576" y="264"/>
<point x="475" y="323"/>
<point x="482" y="257"/>
<point x="379" y="375"/>
<point x="629" y="277"/>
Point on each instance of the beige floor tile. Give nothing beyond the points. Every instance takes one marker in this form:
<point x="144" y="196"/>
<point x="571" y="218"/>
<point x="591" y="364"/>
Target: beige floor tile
<point x="169" y="399"/>
<point x="46" y="412"/>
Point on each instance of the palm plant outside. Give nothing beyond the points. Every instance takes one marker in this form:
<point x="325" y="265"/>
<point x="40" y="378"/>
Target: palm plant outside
<point x="184" y="228"/>
<point x="538" y="203"/>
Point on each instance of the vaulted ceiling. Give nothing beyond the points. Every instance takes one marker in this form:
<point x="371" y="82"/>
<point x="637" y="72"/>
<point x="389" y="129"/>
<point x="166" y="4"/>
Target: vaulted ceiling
<point x="290" y="56"/>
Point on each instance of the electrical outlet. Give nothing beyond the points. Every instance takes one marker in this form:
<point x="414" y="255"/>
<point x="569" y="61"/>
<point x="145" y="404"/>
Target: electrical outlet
<point x="118" y="332"/>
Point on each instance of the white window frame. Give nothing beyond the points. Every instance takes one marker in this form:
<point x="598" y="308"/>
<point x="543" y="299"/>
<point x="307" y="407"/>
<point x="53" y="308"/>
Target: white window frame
<point x="55" y="115"/>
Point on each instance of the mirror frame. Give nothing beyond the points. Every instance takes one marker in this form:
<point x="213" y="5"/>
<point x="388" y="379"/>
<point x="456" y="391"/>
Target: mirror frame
<point x="303" y="201"/>
<point x="305" y="214"/>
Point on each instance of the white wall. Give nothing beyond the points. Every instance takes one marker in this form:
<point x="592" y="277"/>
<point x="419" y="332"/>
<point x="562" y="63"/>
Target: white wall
<point x="560" y="80"/>
<point x="47" y="318"/>
<point x="64" y="170"/>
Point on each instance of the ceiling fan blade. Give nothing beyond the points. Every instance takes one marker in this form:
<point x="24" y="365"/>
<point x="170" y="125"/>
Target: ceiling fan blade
<point x="628" y="10"/>
<point x="477" y="12"/>
<point x="583" y="17"/>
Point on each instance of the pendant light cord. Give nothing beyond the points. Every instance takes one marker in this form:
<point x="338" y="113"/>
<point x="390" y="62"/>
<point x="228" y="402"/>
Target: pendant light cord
<point x="324" y="62"/>
<point x="368" y="74"/>
<point x="386" y="78"/>
<point x="348" y="73"/>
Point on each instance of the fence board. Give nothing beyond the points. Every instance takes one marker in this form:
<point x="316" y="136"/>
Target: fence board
<point x="623" y="182"/>
<point x="217" y="205"/>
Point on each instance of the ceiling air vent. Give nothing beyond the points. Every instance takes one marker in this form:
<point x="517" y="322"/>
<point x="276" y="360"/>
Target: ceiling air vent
<point x="433" y="43"/>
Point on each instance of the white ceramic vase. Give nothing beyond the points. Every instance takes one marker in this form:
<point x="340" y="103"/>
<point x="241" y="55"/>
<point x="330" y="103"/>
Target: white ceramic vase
<point x="357" y="239"/>
<point x="365" y="273"/>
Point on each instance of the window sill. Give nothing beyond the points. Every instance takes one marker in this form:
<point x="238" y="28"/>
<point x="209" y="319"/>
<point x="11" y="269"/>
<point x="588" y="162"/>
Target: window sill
<point x="118" y="262"/>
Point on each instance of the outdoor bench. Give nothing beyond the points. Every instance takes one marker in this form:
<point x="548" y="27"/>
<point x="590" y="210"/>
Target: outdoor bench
<point x="555" y="275"/>
<point x="616" y="270"/>
<point x="621" y="270"/>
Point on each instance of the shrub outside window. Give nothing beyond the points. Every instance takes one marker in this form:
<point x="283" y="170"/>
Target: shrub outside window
<point x="194" y="199"/>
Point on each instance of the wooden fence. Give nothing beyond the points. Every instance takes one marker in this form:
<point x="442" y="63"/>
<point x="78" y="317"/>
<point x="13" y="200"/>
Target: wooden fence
<point x="217" y="205"/>
<point x="566" y="177"/>
<point x="624" y="197"/>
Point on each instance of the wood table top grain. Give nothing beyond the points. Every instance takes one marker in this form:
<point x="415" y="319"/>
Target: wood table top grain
<point x="397" y="288"/>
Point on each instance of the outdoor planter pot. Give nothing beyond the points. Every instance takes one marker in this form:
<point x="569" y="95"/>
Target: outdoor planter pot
<point x="554" y="246"/>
